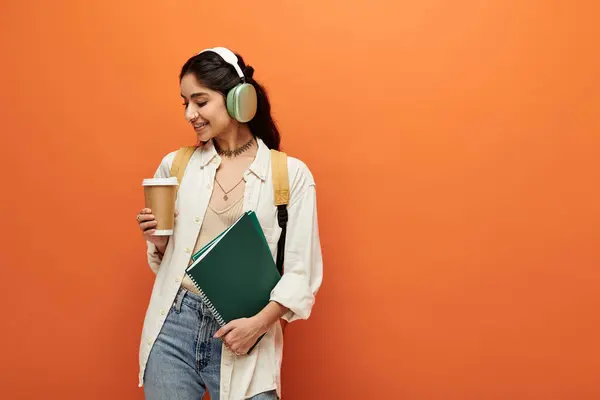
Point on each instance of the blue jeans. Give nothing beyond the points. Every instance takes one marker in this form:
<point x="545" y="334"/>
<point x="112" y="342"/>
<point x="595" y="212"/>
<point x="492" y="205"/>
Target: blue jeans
<point x="185" y="360"/>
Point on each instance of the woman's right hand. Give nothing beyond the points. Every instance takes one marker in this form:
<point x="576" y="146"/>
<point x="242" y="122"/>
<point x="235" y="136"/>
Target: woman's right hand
<point x="147" y="223"/>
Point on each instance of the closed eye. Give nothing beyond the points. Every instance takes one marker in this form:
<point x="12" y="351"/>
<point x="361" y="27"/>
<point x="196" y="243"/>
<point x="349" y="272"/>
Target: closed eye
<point x="199" y="104"/>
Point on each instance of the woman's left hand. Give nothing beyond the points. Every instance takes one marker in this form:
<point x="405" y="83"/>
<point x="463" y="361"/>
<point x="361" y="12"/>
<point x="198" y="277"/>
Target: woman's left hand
<point x="241" y="334"/>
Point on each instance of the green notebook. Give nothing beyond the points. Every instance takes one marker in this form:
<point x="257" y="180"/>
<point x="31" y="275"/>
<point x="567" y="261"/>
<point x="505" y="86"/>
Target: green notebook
<point x="235" y="272"/>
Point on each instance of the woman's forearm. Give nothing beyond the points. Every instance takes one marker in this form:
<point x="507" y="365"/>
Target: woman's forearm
<point x="271" y="314"/>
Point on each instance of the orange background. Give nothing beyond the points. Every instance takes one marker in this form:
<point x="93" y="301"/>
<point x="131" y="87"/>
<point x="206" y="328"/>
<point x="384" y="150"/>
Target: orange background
<point x="455" y="146"/>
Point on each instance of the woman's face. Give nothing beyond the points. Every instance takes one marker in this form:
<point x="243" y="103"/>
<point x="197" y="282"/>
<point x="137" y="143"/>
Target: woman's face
<point x="205" y="109"/>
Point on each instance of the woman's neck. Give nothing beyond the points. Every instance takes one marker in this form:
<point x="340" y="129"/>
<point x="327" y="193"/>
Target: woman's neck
<point x="234" y="139"/>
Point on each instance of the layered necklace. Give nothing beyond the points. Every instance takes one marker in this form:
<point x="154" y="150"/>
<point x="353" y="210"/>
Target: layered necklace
<point x="231" y="154"/>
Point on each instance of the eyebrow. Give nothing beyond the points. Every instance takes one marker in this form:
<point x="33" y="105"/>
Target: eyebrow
<point x="194" y="95"/>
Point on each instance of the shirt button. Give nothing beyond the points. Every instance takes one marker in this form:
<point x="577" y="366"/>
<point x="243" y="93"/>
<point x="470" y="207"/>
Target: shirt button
<point x="197" y="219"/>
<point x="163" y="311"/>
<point x="208" y="186"/>
<point x="177" y="280"/>
<point x="188" y="250"/>
<point x="150" y="341"/>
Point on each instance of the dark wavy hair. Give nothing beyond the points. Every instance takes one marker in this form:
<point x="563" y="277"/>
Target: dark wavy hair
<point x="216" y="74"/>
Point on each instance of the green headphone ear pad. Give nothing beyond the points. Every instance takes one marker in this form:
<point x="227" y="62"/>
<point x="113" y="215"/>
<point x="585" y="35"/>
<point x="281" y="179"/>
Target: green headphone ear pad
<point x="242" y="102"/>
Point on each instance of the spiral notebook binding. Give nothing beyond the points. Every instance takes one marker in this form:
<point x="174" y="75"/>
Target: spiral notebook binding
<point x="208" y="303"/>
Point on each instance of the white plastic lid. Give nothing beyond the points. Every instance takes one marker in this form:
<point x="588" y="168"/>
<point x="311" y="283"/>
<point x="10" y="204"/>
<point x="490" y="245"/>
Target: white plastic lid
<point x="160" y="181"/>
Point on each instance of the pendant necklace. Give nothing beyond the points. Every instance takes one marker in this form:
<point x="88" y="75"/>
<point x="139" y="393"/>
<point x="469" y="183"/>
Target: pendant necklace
<point x="225" y="193"/>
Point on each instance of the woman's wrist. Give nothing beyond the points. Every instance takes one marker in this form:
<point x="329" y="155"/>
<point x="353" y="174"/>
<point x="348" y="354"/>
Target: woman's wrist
<point x="270" y="314"/>
<point x="161" y="248"/>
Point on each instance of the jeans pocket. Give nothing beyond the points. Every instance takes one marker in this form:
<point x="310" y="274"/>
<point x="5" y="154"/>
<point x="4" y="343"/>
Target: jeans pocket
<point x="177" y="302"/>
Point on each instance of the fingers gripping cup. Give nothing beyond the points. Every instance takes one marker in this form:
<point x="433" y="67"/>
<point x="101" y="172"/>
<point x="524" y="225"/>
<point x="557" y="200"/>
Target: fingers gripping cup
<point x="160" y="195"/>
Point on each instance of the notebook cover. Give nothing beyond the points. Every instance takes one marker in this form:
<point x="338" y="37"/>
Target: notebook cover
<point x="237" y="275"/>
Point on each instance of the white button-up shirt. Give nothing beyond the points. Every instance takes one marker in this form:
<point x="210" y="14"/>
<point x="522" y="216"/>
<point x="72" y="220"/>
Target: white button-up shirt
<point x="241" y="376"/>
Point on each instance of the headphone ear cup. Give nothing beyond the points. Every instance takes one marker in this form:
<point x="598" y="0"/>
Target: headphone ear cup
<point x="242" y="102"/>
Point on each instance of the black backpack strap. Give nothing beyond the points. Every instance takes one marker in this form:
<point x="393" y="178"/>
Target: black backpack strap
<point x="282" y="218"/>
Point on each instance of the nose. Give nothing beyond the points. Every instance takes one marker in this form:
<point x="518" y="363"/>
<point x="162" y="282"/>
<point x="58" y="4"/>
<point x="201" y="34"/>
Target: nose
<point x="191" y="115"/>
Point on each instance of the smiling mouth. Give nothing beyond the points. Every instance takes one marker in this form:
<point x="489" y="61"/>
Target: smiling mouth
<point x="200" y="125"/>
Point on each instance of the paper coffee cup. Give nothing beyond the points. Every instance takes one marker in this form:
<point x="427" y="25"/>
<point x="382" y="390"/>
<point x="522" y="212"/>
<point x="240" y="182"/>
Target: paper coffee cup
<point x="160" y="195"/>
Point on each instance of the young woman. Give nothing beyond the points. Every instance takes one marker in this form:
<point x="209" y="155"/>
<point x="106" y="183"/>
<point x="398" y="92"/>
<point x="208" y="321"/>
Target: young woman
<point x="184" y="351"/>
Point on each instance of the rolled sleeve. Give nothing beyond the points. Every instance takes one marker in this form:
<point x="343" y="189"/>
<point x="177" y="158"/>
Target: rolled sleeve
<point x="154" y="257"/>
<point x="303" y="264"/>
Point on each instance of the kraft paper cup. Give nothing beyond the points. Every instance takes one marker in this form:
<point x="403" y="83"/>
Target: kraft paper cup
<point x="159" y="196"/>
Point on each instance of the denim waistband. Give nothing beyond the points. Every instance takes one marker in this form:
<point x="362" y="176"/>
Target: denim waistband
<point x="191" y="300"/>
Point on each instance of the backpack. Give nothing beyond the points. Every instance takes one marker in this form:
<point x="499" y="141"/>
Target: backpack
<point x="281" y="190"/>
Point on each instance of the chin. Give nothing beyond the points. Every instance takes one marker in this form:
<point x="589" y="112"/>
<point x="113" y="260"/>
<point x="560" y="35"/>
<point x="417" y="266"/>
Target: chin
<point x="202" y="139"/>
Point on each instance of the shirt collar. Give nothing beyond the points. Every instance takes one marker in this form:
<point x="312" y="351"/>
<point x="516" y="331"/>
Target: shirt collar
<point x="261" y="162"/>
<point x="258" y="167"/>
<point x="208" y="153"/>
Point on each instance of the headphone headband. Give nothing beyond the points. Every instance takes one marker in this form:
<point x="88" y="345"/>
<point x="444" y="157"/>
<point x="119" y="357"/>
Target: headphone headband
<point x="229" y="57"/>
<point x="241" y="100"/>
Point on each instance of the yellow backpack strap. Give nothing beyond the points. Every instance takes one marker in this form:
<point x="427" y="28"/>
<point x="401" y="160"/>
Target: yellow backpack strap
<point x="281" y="186"/>
<point x="281" y="196"/>
<point x="182" y="157"/>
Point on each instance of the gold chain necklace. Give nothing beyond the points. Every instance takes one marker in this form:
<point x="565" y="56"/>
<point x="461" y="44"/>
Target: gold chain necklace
<point x="225" y="193"/>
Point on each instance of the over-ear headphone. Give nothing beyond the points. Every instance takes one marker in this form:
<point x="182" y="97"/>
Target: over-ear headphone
<point x="241" y="99"/>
